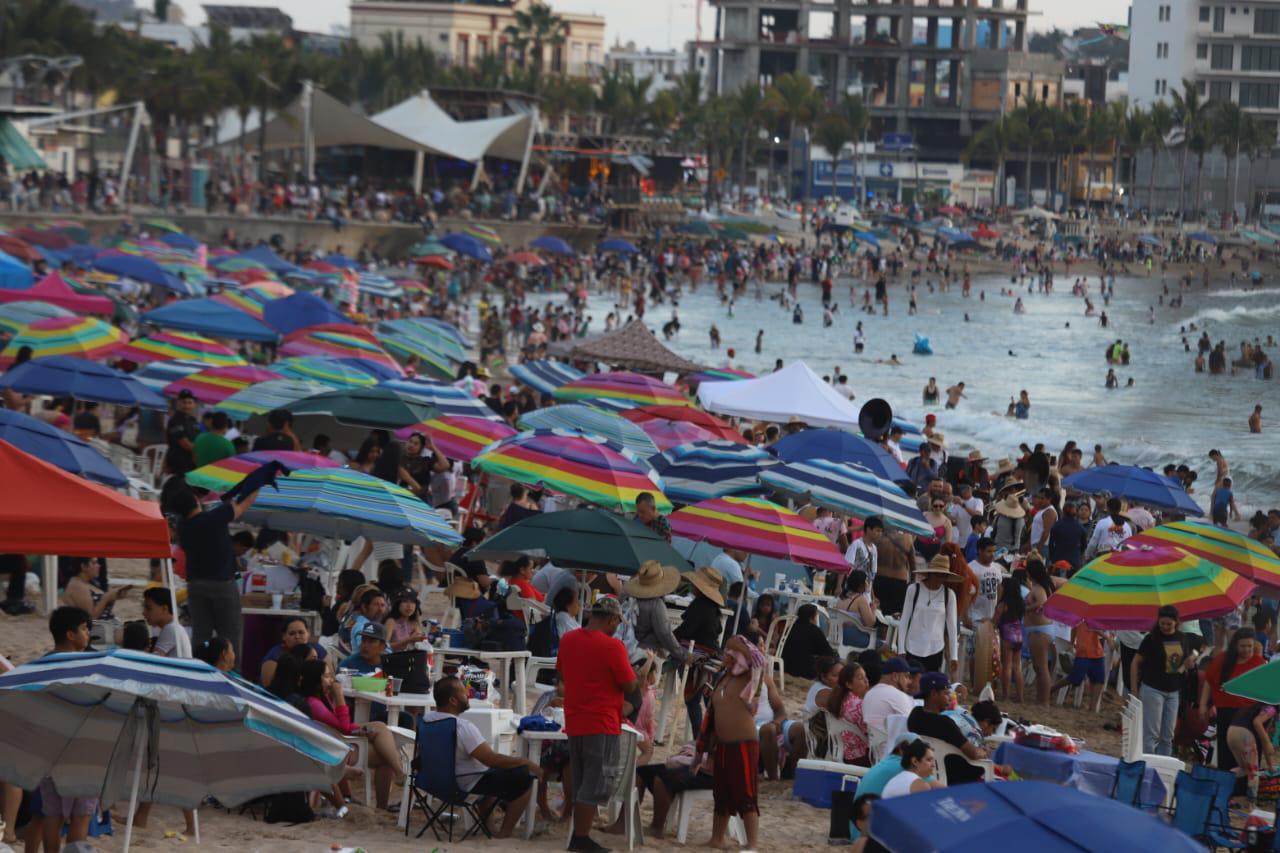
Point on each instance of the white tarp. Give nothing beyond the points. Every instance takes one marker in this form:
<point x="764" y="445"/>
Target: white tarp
<point x="793" y="392"/>
<point x="421" y="119"/>
<point x="332" y="123"/>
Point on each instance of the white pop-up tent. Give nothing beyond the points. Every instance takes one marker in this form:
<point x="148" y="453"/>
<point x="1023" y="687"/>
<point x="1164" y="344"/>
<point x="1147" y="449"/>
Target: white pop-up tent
<point x="793" y="392"/>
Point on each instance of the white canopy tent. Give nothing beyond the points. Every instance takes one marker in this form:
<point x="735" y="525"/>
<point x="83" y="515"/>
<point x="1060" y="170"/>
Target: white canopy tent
<point x="793" y="392"/>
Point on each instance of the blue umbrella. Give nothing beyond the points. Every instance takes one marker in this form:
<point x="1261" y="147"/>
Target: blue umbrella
<point x="622" y="246"/>
<point x="379" y="285"/>
<point x="848" y="488"/>
<point x="81" y="255"/>
<point x="376" y="369"/>
<point x="465" y="244"/>
<point x="344" y="262"/>
<point x="206" y="317"/>
<point x="14" y="274"/>
<point x="58" y="447"/>
<point x="836" y="446"/>
<point x="264" y="255"/>
<point x="298" y="311"/>
<point x="701" y="470"/>
<point x="1150" y="240"/>
<point x="906" y="426"/>
<point x="181" y="241"/>
<point x="1203" y="237"/>
<point x="868" y="238"/>
<point x="68" y="376"/>
<point x="544" y="376"/>
<point x="554" y="245"/>
<point x="1138" y="485"/>
<point x="575" y="416"/>
<point x="1035" y="816"/>
<point x="142" y="269"/>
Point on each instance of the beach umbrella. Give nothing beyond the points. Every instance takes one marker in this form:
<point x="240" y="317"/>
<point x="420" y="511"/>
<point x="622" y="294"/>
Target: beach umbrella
<point x="158" y="374"/>
<point x="1203" y="237"/>
<point x="529" y="259"/>
<point x="430" y="248"/>
<point x="338" y="341"/>
<point x="589" y="540"/>
<point x="208" y="317"/>
<point x="265" y="256"/>
<point x="544" y="375"/>
<point x="847" y="488"/>
<point x="166" y="225"/>
<point x="630" y="389"/>
<point x="262" y="397"/>
<point x="554" y="245"/>
<point x="215" y="384"/>
<point x="83" y="337"/>
<point x="58" y="447"/>
<point x="1039" y="816"/>
<point x="378" y="370"/>
<point x="168" y="346"/>
<point x="466" y="244"/>
<point x="574" y="416"/>
<point x="15" y="315"/>
<point x="759" y="527"/>
<point x="668" y="434"/>
<point x="54" y="240"/>
<point x="407" y="342"/>
<point x="620" y="246"/>
<point x="459" y="437"/>
<point x="835" y="445"/>
<point x="439" y="262"/>
<point x="1227" y="548"/>
<point x="684" y="414"/>
<point x="696" y="228"/>
<point x="447" y="399"/>
<point x="241" y="301"/>
<point x="124" y="726"/>
<point x="225" y="473"/>
<point x="572" y="463"/>
<point x="328" y="371"/>
<point x="144" y="270"/>
<point x="1122" y="590"/>
<point x="867" y="237"/>
<point x="438" y="338"/>
<point x="362" y="408"/>
<point x="343" y="262"/>
<point x="299" y="310"/>
<point x="484" y="233"/>
<point x="379" y="285"/>
<point x="702" y="470"/>
<point x="16" y="247"/>
<point x="1150" y="240"/>
<point x="343" y="504"/>
<point x="1136" y="485"/>
<point x="731" y="232"/>
<point x="719" y="374"/>
<point x="14" y="274"/>
<point x="181" y="241"/>
<point x="238" y="263"/>
<point x="446" y="328"/>
<point x="1261" y="684"/>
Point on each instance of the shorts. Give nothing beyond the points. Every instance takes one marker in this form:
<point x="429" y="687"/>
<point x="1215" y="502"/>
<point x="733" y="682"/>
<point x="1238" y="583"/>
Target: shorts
<point x="53" y="804"/>
<point x="595" y="763"/>
<point x="734" y="787"/>
<point x="892" y="593"/>
<point x="504" y="784"/>
<point x="1091" y="667"/>
<point x="676" y="780"/>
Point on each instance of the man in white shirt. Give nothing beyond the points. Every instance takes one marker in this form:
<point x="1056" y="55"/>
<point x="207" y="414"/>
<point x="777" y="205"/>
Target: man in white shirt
<point x="989" y="575"/>
<point x="888" y="697"/>
<point x="893" y="444"/>
<point x="479" y="769"/>
<point x="1109" y="532"/>
<point x="729" y="564"/>
<point x="963" y="511"/>
<point x="862" y="555"/>
<point x="157" y="609"/>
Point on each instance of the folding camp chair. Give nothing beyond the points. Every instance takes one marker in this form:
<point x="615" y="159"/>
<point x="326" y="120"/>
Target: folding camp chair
<point x="435" y="777"/>
<point x="1192" y="805"/>
<point x="1128" y="785"/>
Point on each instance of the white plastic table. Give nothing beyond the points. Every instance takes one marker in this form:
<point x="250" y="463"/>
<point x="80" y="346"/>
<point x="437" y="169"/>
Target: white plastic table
<point x="533" y="742"/>
<point x="503" y="661"/>
<point x="364" y="700"/>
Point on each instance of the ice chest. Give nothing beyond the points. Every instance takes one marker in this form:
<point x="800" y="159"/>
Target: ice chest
<point x="815" y="780"/>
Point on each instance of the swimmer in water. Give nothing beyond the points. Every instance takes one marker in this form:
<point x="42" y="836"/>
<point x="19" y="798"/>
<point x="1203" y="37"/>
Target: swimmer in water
<point x="891" y="360"/>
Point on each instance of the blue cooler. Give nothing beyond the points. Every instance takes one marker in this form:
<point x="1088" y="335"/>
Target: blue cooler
<point x="815" y="780"/>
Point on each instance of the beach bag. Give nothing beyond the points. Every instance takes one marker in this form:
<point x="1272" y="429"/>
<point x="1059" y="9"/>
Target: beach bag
<point x="544" y="639"/>
<point x="288" y="808"/>
<point x="475" y="631"/>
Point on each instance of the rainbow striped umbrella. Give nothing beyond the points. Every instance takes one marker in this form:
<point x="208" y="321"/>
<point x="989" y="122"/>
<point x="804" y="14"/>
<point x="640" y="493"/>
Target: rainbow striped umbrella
<point x="168" y="346"/>
<point x="84" y="337"/>
<point x="239" y="300"/>
<point x="266" y="290"/>
<point x="441" y="339"/>
<point x="15" y="315"/>
<point x="719" y="374"/>
<point x="629" y="389"/>
<point x="339" y="344"/>
<point x="1227" y="548"/>
<point x="225" y="473"/>
<point x="758" y="527"/>
<point x="238" y="263"/>
<point x="459" y="437"/>
<point x="1122" y="590"/>
<point x="158" y="374"/>
<point x="265" y="396"/>
<point x="318" y="368"/>
<point x="575" y="416"/>
<point x="218" y="383"/>
<point x="587" y="467"/>
<point x="668" y="434"/>
<point x="407" y="343"/>
<point x="848" y="488"/>
<point x="483" y="232"/>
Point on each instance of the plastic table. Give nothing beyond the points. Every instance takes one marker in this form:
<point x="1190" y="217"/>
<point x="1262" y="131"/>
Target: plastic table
<point x="1090" y="772"/>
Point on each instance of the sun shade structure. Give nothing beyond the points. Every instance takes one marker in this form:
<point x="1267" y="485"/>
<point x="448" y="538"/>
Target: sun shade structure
<point x="222" y="475"/>
<point x="144" y="270"/>
<point x="82" y="337"/>
<point x="1261" y="684"/>
<point x="262" y="397"/>
<point x="702" y="470"/>
<point x="421" y="119"/>
<point x="834" y="445"/>
<point x="459" y="437"/>
<point x="54" y="289"/>
<point x="448" y="399"/>
<point x="633" y="347"/>
<point x="759" y="527"/>
<point x="15" y="315"/>
<point x="67" y="376"/>
<point x="793" y="393"/>
<point x="1134" y="484"/>
<point x="158" y="374"/>
<point x="1124" y="589"/>
<point x="333" y="372"/>
<point x="842" y="487"/>
<point x="591" y="540"/>
<point x="1227" y="548"/>
<point x="685" y="414"/>
<point x="337" y="341"/>
<point x="629" y="389"/>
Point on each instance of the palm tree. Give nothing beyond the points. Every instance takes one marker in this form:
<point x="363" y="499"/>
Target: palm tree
<point x="1031" y="126"/>
<point x="793" y="99"/>
<point x="1070" y="132"/>
<point x="858" y="117"/>
<point x="1129" y="125"/>
<point x="1160" y="123"/>
<point x="747" y="113"/>
<point x="1099" y="133"/>
<point x="833" y="133"/>
<point x="994" y="141"/>
<point x="1259" y="141"/>
<point x="1188" y="111"/>
<point x="1229" y="130"/>
<point x="534" y="30"/>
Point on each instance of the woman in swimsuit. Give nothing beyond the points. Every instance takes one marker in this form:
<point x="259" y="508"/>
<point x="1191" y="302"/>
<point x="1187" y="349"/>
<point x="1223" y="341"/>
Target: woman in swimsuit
<point x="1037" y="628"/>
<point x="936" y="515"/>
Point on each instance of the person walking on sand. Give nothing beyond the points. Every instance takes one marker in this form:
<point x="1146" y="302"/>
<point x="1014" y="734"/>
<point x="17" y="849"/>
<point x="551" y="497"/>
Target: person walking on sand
<point x="733" y="741"/>
<point x="1255" y="420"/>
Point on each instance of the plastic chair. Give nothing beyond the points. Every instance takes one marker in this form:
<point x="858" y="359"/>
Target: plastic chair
<point x="773" y="652"/>
<point x="682" y="810"/>
<point x="436" y="778"/>
<point x="1193" y="805"/>
<point x="153" y="462"/>
<point x="1127" y="788"/>
<point x="403" y="738"/>
<point x="942" y="749"/>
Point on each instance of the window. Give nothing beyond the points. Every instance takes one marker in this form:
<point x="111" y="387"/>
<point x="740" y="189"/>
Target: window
<point x="1263" y="95"/>
<point x="1222" y="57"/>
<point x="1267" y="22"/>
<point x="1220" y="90"/>
<point x="1259" y="58"/>
<point x="1202" y="51"/>
<point x="1219" y="19"/>
<point x="1204" y="14"/>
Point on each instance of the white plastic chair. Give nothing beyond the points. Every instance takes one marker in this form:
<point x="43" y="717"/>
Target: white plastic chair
<point x="837" y="726"/>
<point x="624" y="799"/>
<point x="682" y="810"/>
<point x="774" y="658"/>
<point x="840" y="618"/>
<point x="403" y="737"/>
<point x="942" y="749"/>
<point x="153" y="462"/>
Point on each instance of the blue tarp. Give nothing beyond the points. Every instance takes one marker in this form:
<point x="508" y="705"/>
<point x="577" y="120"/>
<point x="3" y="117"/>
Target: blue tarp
<point x="299" y="311"/>
<point x="143" y="269"/>
<point x="206" y="317"/>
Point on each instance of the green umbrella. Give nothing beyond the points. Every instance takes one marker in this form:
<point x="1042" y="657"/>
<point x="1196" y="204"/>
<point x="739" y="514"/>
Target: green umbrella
<point x="730" y="232"/>
<point x="696" y="228"/>
<point x="347" y="414"/>
<point x="1260" y="685"/>
<point x="582" y="539"/>
<point x="430" y="247"/>
<point x="163" y="225"/>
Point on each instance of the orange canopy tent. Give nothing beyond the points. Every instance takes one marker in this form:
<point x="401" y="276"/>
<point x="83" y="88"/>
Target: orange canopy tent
<point x="45" y="510"/>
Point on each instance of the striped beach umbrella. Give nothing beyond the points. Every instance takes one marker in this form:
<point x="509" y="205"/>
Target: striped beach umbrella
<point x="483" y="232"/>
<point x="1227" y="548"/>
<point x="1123" y="590"/>
<point x="414" y="348"/>
<point x="633" y="389"/>
<point x="241" y="301"/>
<point x="15" y="315"/>
<point x="168" y="346"/>
<point x="371" y="407"/>
<point x="719" y="374"/>
<point x="574" y="416"/>
<point x="222" y="475"/>
<point x="544" y="375"/>
<point x="685" y="414"/>
<point x="266" y="290"/>
<point x="448" y="399"/>
<point x="669" y="434"/>
<point x="847" y="488"/>
<point x="758" y="527"/>
<point x="441" y="339"/>
<point x="459" y="437"/>
<point x="159" y="374"/>
<point x="83" y="337"/>
<point x="339" y="343"/>
<point x="262" y="397"/>
<point x="329" y="371"/>
<point x="218" y="383"/>
<point x="702" y="470"/>
<point x="572" y="463"/>
<point x="343" y="504"/>
<point x="446" y="327"/>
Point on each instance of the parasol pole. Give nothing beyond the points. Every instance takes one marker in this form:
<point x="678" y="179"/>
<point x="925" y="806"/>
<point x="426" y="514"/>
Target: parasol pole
<point x="742" y="599"/>
<point x="139" y="746"/>
<point x="171" y="582"/>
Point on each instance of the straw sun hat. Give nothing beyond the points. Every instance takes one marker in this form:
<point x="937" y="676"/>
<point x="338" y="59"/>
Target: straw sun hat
<point x="463" y="588"/>
<point x="653" y="580"/>
<point x="1010" y="507"/>
<point x="940" y="565"/>
<point x="707" y="581"/>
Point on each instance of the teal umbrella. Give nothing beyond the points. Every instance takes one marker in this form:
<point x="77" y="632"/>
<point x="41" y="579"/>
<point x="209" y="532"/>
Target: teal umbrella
<point x="583" y="539"/>
<point x="575" y="416"/>
<point x="1260" y="685"/>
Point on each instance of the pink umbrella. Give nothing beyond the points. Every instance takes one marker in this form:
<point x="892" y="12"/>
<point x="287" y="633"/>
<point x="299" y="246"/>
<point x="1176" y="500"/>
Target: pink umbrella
<point x="218" y="383"/>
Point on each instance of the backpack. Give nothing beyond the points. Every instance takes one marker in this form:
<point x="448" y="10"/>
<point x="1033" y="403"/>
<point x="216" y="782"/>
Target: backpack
<point x="290" y="808"/>
<point x="544" y="638"/>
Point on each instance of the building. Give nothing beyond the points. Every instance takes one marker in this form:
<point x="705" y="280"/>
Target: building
<point x="665" y="67"/>
<point x="466" y="32"/>
<point x="1229" y="51"/>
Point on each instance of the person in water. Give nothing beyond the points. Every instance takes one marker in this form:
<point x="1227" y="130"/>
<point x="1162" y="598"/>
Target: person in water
<point x="930" y="395"/>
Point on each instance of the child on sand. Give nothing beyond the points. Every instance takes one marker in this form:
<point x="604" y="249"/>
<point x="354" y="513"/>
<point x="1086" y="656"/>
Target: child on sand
<point x="729" y="733"/>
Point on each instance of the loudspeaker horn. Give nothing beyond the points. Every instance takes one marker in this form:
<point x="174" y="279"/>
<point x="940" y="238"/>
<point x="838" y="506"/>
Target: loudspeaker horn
<point x="875" y="418"/>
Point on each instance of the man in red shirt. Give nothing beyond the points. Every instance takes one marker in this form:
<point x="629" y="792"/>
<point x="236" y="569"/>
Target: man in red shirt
<point x="596" y="674"/>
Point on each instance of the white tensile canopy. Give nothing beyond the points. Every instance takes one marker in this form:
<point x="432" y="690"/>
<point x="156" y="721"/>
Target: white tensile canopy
<point x="793" y="392"/>
<point x="420" y="118"/>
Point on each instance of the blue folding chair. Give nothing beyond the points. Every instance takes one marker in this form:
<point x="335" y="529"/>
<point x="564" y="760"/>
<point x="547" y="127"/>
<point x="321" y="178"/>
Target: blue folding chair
<point x="1128" y="784"/>
<point x="1193" y="805"/>
<point x="435" y="777"/>
<point x="1224" y="783"/>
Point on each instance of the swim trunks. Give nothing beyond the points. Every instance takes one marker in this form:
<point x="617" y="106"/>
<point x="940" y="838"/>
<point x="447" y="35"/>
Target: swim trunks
<point x="734" y="790"/>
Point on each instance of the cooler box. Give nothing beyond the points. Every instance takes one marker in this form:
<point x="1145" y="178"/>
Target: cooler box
<point x="494" y="724"/>
<point x="815" y="780"/>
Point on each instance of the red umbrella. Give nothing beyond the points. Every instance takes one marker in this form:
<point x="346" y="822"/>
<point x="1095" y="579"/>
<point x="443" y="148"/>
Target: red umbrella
<point x="18" y="248"/>
<point x="985" y="232"/>
<point x="687" y="414"/>
<point x="321" y="266"/>
<point x="48" y="239"/>
<point x="526" y="258"/>
<point x="438" y="261"/>
<point x="668" y="434"/>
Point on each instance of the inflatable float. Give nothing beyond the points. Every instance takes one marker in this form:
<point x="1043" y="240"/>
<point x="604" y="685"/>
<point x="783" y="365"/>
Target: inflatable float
<point x="922" y="346"/>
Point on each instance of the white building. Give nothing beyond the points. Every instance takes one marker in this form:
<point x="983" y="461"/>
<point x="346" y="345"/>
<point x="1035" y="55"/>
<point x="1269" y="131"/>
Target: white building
<point x="1230" y="50"/>
<point x="664" y="66"/>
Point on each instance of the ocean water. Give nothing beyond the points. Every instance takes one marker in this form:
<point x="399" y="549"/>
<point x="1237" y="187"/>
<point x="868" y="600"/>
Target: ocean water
<point x="1053" y="351"/>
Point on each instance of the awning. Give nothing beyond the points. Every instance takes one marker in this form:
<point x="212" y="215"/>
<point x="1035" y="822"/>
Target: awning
<point x="16" y="151"/>
<point x="421" y="119"/>
<point x="332" y="123"/>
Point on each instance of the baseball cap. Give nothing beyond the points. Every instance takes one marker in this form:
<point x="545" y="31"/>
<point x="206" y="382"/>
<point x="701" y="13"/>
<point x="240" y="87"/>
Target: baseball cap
<point x="607" y="605"/>
<point x="185" y="394"/>
<point x="898" y="664"/>
<point x="373" y="631"/>
<point x="932" y="681"/>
